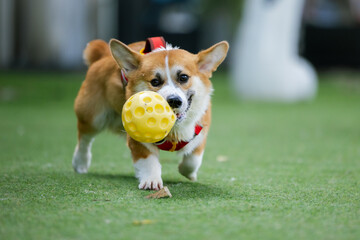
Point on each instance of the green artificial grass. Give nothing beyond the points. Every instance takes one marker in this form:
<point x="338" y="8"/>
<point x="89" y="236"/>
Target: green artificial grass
<point x="270" y="170"/>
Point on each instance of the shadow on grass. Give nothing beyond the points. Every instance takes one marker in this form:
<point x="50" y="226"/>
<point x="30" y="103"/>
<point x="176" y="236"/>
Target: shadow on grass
<point x="64" y="183"/>
<point x="117" y="180"/>
<point x="196" y="190"/>
<point x="182" y="189"/>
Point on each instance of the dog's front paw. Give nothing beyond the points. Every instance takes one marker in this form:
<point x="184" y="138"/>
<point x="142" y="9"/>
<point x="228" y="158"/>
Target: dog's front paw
<point x="151" y="184"/>
<point x="148" y="171"/>
<point x="190" y="166"/>
<point x="188" y="173"/>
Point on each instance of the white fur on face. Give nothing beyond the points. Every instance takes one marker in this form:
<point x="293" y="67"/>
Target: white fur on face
<point x="148" y="171"/>
<point x="200" y="102"/>
<point x="183" y="129"/>
<point x="170" y="88"/>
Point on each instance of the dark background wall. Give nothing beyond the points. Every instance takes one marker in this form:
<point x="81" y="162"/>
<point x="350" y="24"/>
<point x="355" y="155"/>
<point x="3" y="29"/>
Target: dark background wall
<point x="51" y="34"/>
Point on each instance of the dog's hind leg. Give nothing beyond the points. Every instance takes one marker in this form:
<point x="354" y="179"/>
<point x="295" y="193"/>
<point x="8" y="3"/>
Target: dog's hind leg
<point x="82" y="156"/>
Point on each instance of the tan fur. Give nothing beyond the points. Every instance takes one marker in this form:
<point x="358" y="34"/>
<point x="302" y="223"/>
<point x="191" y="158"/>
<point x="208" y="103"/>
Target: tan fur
<point x="138" y="150"/>
<point x="102" y="87"/>
<point x="95" y="50"/>
<point x="205" y="122"/>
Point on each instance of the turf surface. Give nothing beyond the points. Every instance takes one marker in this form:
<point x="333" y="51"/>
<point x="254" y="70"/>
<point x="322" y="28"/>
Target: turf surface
<point x="270" y="171"/>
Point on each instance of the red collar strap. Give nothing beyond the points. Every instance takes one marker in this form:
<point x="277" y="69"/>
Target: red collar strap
<point x="153" y="43"/>
<point x="150" y="45"/>
<point x="176" y="146"/>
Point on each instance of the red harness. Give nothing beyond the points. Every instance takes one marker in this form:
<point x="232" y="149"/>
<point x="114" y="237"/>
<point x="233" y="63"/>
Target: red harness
<point x="176" y="146"/>
<point x="150" y="45"/>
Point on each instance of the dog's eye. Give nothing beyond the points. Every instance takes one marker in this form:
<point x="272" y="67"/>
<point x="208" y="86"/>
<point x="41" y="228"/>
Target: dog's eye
<point x="183" y="78"/>
<point x="155" y="82"/>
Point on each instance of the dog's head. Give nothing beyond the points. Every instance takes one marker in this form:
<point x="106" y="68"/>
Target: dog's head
<point x="180" y="77"/>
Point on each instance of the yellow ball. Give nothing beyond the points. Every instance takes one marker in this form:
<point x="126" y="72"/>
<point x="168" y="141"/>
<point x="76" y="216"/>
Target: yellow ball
<point x="147" y="117"/>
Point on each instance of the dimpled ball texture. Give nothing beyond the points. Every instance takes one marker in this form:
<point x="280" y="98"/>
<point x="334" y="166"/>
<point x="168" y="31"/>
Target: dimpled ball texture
<point x="147" y="117"/>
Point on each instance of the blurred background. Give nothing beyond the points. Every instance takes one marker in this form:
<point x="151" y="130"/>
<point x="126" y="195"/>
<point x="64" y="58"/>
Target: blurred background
<point x="51" y="34"/>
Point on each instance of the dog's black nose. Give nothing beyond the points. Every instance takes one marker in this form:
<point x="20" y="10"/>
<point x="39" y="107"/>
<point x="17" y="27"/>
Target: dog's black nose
<point x="174" y="101"/>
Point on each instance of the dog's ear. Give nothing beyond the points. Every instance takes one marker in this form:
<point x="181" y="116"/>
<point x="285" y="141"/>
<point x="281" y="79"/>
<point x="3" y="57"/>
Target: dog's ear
<point x="125" y="57"/>
<point x="211" y="58"/>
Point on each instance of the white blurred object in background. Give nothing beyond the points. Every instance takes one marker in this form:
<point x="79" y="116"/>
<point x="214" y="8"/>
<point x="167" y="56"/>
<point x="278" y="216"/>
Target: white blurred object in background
<point x="266" y="64"/>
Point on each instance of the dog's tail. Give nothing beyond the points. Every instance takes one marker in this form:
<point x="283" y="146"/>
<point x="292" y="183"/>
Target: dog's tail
<point x="95" y="50"/>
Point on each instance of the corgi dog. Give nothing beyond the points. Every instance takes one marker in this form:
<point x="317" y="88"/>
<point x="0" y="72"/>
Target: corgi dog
<point x="116" y="71"/>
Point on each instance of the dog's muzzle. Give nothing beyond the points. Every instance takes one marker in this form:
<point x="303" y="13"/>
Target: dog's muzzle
<point x="174" y="101"/>
<point x="181" y="116"/>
